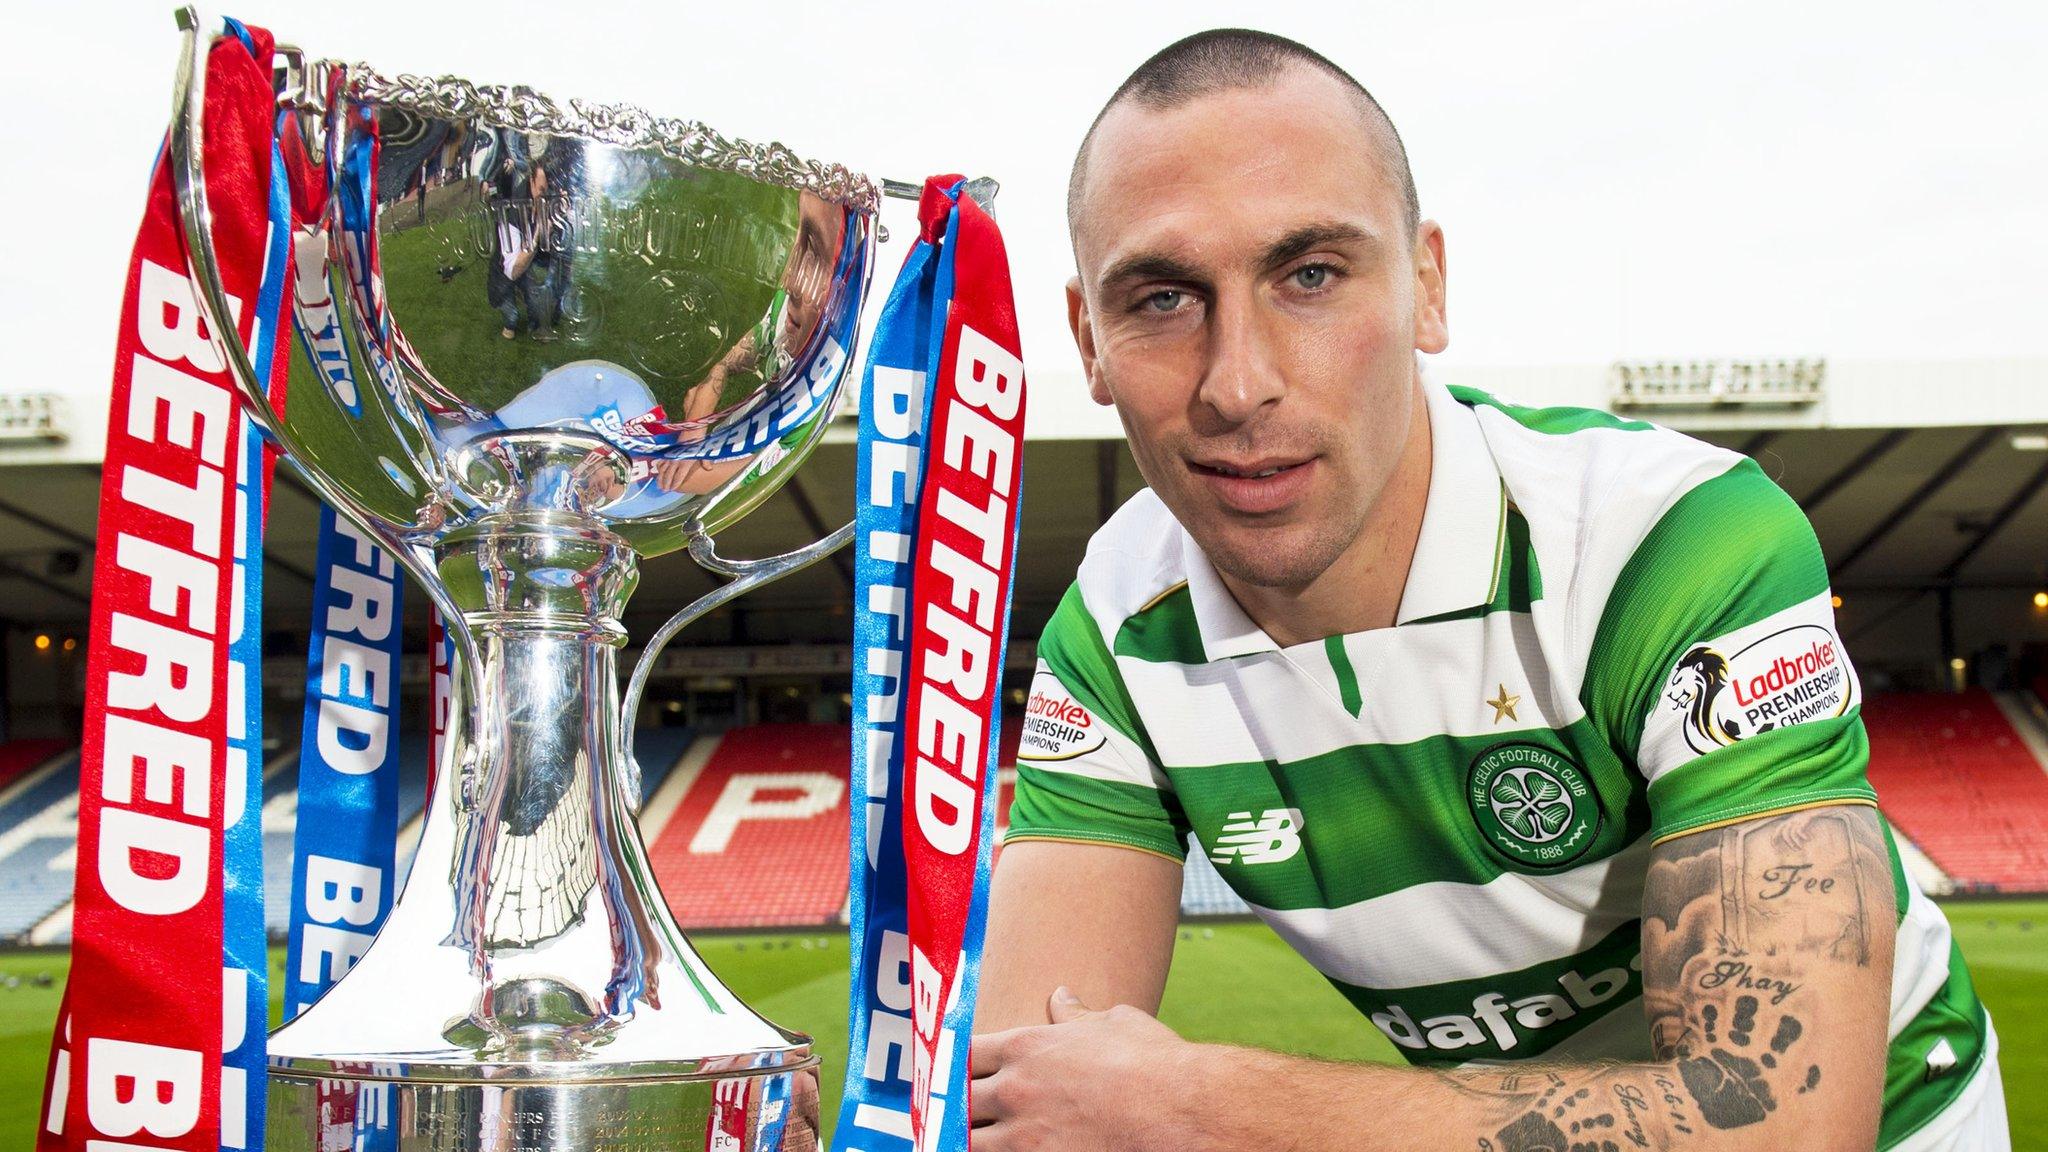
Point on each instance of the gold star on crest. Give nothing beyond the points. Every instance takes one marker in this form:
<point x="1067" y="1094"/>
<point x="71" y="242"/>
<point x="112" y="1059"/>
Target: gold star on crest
<point x="1503" y="705"/>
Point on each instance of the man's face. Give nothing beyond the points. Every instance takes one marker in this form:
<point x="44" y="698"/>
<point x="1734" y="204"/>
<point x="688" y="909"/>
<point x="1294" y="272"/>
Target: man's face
<point x="821" y="234"/>
<point x="1248" y="300"/>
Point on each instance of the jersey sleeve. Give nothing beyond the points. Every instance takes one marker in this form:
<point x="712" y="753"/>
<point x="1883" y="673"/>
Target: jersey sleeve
<point x="1084" y="767"/>
<point x="1716" y="666"/>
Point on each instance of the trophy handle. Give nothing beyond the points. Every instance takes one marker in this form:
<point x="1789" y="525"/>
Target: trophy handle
<point x="188" y="177"/>
<point x="746" y="575"/>
<point x="982" y="190"/>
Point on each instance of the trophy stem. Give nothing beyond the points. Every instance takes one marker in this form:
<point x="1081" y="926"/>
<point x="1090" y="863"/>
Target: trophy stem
<point x="531" y="952"/>
<point x="540" y="793"/>
<point x="541" y="583"/>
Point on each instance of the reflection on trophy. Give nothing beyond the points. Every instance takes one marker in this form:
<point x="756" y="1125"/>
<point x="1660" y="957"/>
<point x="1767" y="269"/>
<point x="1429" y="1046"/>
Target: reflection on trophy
<point x="542" y="341"/>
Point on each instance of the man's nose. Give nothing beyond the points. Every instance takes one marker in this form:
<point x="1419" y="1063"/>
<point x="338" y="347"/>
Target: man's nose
<point x="1243" y="373"/>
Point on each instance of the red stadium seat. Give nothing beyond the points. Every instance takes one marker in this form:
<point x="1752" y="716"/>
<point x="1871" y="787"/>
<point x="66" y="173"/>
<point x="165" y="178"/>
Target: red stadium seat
<point x="759" y="839"/>
<point x="18" y="756"/>
<point x="1954" y="775"/>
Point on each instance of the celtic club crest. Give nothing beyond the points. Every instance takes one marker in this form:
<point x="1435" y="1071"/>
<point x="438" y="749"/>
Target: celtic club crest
<point x="1532" y="803"/>
<point x="1533" y="806"/>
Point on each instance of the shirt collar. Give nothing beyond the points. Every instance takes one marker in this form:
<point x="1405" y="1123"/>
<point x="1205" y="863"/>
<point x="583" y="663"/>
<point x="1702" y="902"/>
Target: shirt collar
<point x="1225" y="629"/>
<point x="1457" y="555"/>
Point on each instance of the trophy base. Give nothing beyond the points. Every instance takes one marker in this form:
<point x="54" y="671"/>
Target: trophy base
<point x="772" y="1110"/>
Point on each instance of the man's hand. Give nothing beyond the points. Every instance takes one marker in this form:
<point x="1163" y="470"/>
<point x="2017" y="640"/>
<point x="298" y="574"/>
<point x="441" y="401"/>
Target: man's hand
<point x="1089" y="1080"/>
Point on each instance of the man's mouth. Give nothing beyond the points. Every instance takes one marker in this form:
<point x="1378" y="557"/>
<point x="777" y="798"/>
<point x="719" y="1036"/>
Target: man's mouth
<point x="1253" y="472"/>
<point x="1264" y="484"/>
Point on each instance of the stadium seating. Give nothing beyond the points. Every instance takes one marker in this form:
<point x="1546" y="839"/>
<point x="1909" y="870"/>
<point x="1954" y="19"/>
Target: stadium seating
<point x="38" y="836"/>
<point x="1204" y="892"/>
<point x="1953" y="773"/>
<point x="17" y="757"/>
<point x="657" y="750"/>
<point x="759" y="837"/>
<point x="753" y="833"/>
<point x="38" y="825"/>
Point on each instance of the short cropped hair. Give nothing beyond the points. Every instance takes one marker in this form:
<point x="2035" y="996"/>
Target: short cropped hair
<point x="1223" y="59"/>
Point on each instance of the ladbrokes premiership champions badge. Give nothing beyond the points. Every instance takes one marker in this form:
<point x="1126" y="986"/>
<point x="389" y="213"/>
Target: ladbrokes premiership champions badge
<point x="1791" y="676"/>
<point x="1057" y="726"/>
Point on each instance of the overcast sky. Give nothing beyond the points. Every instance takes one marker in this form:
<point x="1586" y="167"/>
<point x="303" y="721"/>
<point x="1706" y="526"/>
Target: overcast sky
<point x="1858" y="180"/>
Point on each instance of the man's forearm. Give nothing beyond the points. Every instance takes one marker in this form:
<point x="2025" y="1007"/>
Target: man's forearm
<point x="1766" y="974"/>
<point x="1237" y="1098"/>
<point x="1767" y="948"/>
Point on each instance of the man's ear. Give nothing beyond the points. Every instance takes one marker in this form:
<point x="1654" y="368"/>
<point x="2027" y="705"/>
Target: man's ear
<point x="1432" y="322"/>
<point x="1084" y="340"/>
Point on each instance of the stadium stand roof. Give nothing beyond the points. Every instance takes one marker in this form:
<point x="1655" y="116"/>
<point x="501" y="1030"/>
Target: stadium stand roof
<point x="1918" y="477"/>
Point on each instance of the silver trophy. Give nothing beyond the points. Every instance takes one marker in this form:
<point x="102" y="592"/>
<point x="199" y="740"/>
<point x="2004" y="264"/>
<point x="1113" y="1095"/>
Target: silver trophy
<point x="544" y="340"/>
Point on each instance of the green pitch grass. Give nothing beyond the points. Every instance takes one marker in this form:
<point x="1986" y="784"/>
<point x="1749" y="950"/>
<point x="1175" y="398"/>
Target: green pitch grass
<point x="799" y="980"/>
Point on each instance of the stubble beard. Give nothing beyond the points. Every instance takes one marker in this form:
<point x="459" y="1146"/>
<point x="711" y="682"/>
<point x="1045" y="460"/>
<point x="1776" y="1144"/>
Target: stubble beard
<point x="1283" y="558"/>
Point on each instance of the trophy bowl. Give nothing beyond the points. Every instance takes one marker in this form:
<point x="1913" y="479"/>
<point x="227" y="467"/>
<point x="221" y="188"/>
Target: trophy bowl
<point x="490" y="261"/>
<point x="537" y="341"/>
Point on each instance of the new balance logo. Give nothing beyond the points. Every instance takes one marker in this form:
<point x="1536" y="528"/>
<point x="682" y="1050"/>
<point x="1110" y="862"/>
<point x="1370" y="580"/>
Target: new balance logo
<point x="1273" y="837"/>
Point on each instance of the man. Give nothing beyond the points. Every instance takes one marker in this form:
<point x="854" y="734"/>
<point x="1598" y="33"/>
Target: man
<point x="528" y="255"/>
<point x="1529" y="728"/>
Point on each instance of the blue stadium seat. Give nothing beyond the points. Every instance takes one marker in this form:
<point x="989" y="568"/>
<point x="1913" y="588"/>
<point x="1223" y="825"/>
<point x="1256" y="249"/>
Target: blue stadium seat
<point x="1203" y="891"/>
<point x="38" y="826"/>
<point x="657" y="750"/>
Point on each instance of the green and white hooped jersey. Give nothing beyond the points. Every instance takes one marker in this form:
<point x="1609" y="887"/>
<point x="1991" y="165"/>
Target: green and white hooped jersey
<point x="1611" y="634"/>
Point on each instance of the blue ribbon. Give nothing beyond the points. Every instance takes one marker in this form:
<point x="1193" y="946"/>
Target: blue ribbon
<point x="352" y="179"/>
<point x="343" y="853"/>
<point x="244" y="952"/>
<point x="345" y="842"/>
<point x="245" y="963"/>
<point x="874" y="1112"/>
<point x="774" y="1107"/>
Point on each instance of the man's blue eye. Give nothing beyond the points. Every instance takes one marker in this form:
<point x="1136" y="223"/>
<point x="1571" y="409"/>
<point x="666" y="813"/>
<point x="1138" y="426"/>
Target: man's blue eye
<point x="1165" y="301"/>
<point x="1312" y="277"/>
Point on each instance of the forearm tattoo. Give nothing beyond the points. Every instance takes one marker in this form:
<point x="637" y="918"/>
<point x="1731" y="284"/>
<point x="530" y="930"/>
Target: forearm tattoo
<point x="1738" y="922"/>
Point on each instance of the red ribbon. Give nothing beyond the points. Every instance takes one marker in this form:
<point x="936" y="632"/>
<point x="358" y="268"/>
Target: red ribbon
<point x="136" y="1058"/>
<point x="960" y="592"/>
